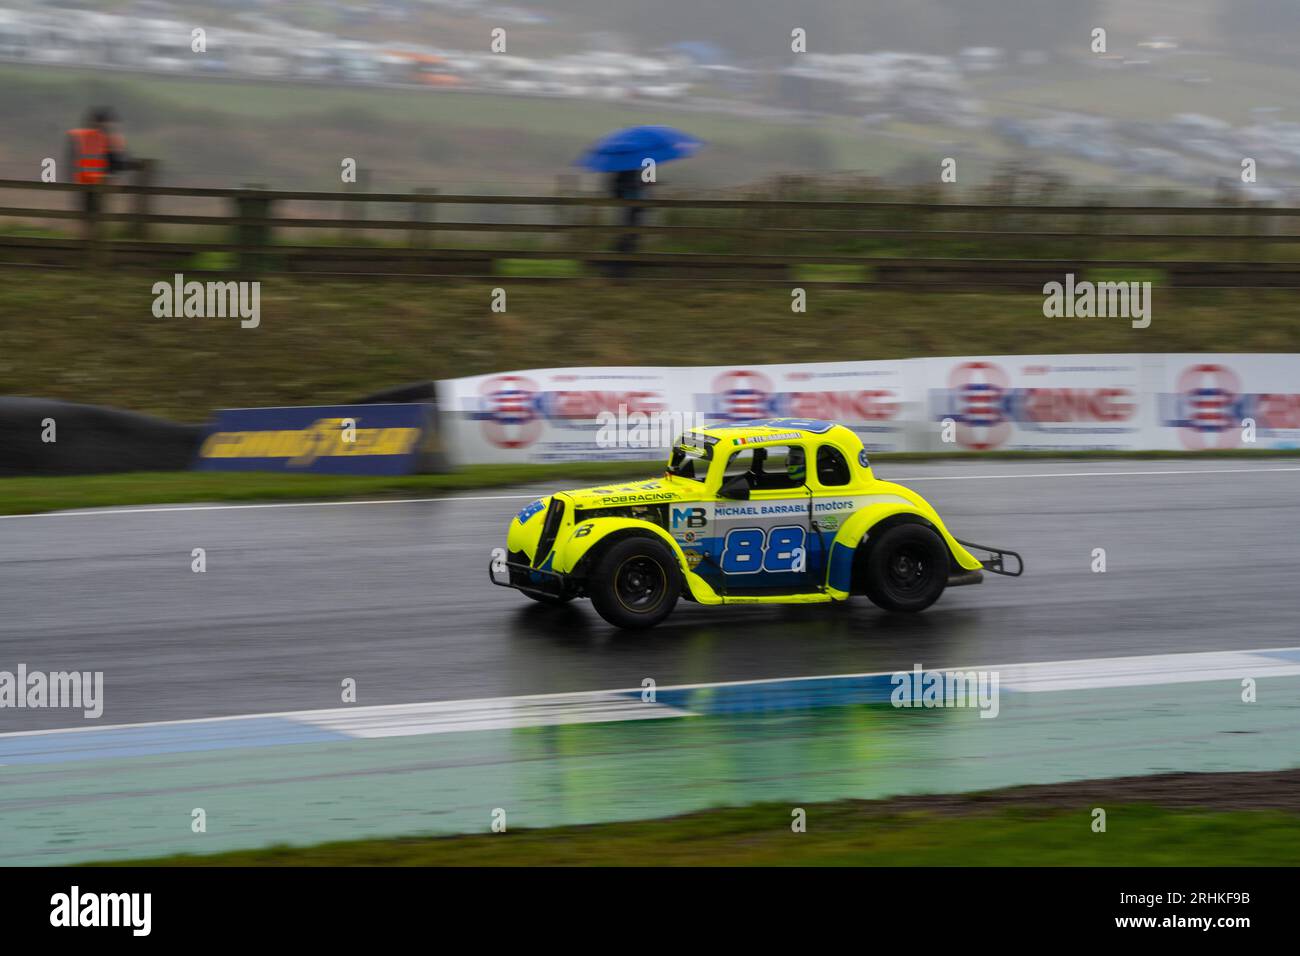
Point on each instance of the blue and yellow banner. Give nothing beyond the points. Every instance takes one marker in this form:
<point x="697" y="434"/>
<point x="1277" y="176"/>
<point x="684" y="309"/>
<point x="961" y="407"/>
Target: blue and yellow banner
<point x="393" y="439"/>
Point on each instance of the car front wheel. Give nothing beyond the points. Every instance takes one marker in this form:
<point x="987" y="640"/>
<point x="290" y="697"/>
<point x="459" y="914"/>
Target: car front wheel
<point x="635" y="583"/>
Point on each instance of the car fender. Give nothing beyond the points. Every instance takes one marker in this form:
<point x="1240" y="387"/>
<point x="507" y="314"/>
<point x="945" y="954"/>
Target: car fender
<point x="578" y="542"/>
<point x="839" y="571"/>
<point x="526" y="527"/>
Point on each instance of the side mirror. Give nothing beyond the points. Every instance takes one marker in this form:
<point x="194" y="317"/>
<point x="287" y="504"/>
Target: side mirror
<point x="736" y="487"/>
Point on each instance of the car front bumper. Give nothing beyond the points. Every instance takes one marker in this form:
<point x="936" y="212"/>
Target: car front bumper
<point x="523" y="577"/>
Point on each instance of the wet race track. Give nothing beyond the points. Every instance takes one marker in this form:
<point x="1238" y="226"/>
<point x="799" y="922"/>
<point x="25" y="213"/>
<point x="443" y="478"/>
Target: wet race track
<point x="1201" y="556"/>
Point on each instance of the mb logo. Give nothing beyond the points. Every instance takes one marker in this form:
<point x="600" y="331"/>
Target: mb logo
<point x="688" y="517"/>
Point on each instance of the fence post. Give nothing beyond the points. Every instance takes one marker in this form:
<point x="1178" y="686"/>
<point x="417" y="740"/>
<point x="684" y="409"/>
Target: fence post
<point x="250" y="238"/>
<point x="356" y="210"/>
<point x="93" y="199"/>
<point x="566" y="184"/>
<point x="422" y="212"/>
<point x="145" y="171"/>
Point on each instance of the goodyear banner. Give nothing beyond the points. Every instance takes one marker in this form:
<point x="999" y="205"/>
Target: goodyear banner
<point x="394" y="439"/>
<point x="1118" y="402"/>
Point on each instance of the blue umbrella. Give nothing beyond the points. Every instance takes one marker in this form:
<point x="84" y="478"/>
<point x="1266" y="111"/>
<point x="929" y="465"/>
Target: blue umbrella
<point x="628" y="148"/>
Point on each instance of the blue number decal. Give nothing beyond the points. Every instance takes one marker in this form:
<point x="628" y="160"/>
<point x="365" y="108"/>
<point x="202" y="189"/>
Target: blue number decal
<point x="781" y="545"/>
<point x="750" y="550"/>
<point x="742" y="551"/>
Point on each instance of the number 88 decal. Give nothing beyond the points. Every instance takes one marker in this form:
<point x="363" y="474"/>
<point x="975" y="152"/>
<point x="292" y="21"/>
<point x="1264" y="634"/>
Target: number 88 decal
<point x="750" y="550"/>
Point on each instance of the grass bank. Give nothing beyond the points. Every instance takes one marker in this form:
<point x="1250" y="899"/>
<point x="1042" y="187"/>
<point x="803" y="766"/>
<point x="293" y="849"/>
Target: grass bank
<point x="94" y="338"/>
<point x="32" y="495"/>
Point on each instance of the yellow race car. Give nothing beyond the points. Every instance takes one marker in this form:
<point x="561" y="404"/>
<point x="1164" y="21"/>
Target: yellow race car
<point x="778" y="511"/>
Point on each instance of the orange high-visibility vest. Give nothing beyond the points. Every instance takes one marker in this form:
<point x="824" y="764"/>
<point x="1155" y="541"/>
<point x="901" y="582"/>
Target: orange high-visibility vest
<point x="90" y="149"/>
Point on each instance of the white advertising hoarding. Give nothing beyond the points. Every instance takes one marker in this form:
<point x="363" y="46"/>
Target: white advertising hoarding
<point x="1207" y="402"/>
<point x="556" y="414"/>
<point x="607" y="414"/>
<point x="874" y="399"/>
<point x="1033" y="403"/>
<point x="1123" y="402"/>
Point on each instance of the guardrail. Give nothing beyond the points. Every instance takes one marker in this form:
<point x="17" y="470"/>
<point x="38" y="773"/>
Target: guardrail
<point x="855" y="244"/>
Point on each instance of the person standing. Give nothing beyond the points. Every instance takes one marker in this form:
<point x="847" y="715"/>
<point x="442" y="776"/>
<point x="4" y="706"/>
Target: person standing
<point x="96" y="152"/>
<point x="627" y="184"/>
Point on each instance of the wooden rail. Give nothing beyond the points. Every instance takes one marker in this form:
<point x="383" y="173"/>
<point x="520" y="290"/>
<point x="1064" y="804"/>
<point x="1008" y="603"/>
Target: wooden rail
<point x="872" y="244"/>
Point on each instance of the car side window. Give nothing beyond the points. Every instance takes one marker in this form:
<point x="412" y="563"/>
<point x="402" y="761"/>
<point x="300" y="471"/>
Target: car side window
<point x="832" y="469"/>
<point x="769" y="467"/>
<point x="741" y="463"/>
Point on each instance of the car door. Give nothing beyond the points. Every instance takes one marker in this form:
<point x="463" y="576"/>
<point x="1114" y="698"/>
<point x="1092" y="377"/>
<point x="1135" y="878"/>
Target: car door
<point x="833" y="502"/>
<point x="762" y="539"/>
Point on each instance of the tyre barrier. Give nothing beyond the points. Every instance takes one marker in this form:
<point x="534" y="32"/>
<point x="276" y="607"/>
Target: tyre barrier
<point x="40" y="436"/>
<point x="423" y="392"/>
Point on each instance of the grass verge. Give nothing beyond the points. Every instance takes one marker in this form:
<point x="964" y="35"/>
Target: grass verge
<point x="845" y="833"/>
<point x="39" y="494"/>
<point x="93" y="338"/>
<point x="31" y="495"/>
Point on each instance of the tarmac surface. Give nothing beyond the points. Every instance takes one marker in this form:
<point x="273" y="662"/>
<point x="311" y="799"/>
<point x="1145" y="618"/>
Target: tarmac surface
<point x="1201" y="555"/>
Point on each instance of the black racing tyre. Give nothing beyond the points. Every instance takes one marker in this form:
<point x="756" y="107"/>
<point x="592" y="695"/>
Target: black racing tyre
<point x="634" y="583"/>
<point x="550" y="600"/>
<point x="906" y="568"/>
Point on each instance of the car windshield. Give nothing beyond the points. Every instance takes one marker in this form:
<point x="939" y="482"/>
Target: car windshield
<point x="690" y="457"/>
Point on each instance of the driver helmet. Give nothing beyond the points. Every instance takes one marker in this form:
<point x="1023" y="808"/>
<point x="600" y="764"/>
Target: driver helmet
<point x="796" y="465"/>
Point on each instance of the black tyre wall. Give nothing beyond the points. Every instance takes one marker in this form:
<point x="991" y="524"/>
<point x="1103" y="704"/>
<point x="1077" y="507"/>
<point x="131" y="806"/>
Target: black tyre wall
<point x="90" y="440"/>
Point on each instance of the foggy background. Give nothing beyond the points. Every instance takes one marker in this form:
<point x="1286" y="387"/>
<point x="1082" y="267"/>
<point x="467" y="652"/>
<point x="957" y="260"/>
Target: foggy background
<point x="411" y="89"/>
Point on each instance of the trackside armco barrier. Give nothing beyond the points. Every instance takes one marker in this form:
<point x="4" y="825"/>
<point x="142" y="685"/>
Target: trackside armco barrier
<point x="1125" y="402"/>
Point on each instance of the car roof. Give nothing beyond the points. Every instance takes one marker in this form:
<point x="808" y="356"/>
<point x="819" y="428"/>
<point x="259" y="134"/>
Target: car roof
<point x="776" y="430"/>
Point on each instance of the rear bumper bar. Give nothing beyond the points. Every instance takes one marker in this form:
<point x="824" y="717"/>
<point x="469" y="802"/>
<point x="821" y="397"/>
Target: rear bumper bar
<point x="996" y="562"/>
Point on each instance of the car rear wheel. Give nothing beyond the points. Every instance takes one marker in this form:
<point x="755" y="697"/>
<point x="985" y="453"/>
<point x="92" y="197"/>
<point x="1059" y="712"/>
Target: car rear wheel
<point x="906" y="568"/>
<point x="635" y="583"/>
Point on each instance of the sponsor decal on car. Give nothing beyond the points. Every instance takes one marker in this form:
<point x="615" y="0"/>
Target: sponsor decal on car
<point x="690" y="517"/>
<point x="530" y="510"/>
<point x="700" y="438"/>
<point x="759" y="439"/>
<point x="638" y="499"/>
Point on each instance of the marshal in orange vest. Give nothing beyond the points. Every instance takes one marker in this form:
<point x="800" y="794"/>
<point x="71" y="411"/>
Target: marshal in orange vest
<point x="90" y="154"/>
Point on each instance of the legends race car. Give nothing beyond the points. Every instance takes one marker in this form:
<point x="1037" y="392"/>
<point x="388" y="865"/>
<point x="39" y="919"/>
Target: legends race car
<point x="778" y="511"/>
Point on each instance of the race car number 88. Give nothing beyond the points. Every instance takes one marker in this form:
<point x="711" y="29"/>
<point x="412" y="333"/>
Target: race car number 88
<point x="750" y="550"/>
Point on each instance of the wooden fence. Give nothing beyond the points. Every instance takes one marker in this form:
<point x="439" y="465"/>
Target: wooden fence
<point x="565" y="238"/>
